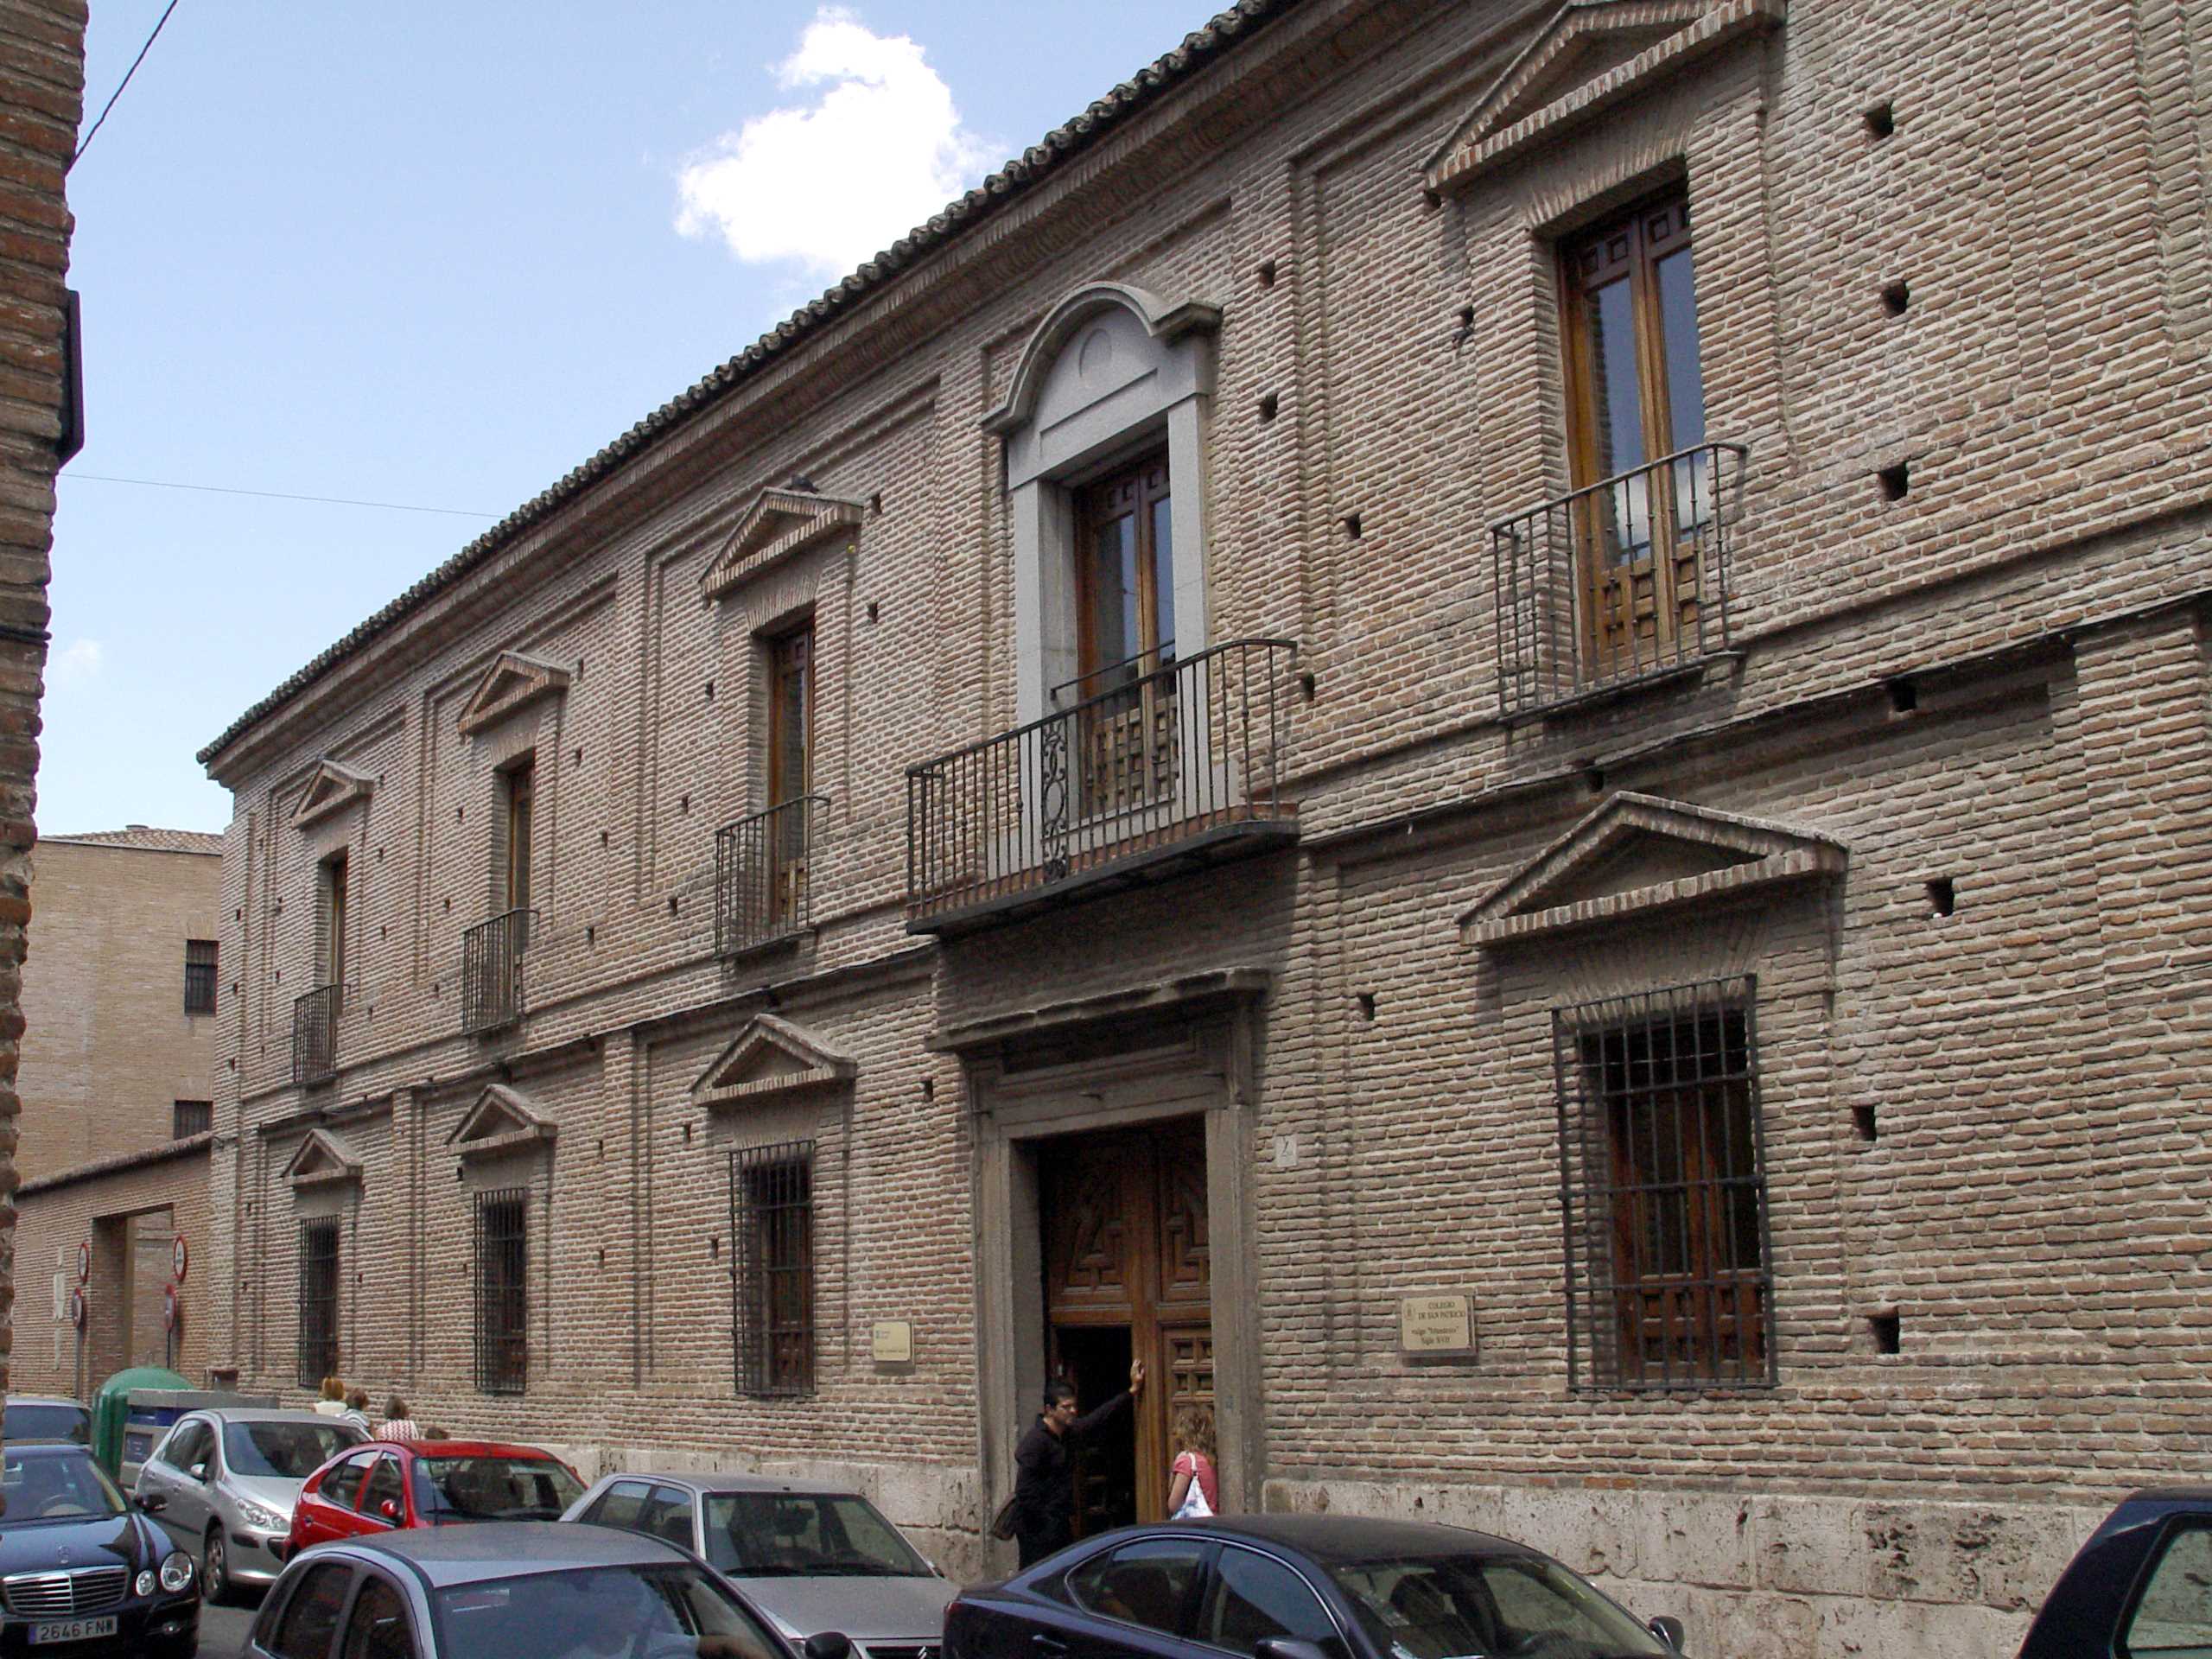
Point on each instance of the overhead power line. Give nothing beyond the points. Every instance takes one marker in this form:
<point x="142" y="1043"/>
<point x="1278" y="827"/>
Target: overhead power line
<point x="279" y="495"/>
<point x="87" y="143"/>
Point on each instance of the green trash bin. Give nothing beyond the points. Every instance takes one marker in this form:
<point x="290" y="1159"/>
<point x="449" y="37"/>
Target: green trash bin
<point x="111" y="1409"/>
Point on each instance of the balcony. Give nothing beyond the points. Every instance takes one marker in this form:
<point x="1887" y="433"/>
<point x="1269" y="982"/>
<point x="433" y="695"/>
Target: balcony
<point x="760" y="876"/>
<point x="1144" y="774"/>
<point x="1622" y="583"/>
<point x="314" y="1034"/>
<point x="490" y="970"/>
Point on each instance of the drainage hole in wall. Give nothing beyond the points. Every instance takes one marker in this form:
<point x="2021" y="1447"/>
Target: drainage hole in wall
<point x="1896" y="481"/>
<point x="1881" y="121"/>
<point x="671" y="904"/>
<point x="1266" y="273"/>
<point x="1351" y="526"/>
<point x="1896" y="296"/>
<point x="1885" y="1329"/>
<point x="710" y="690"/>
<point x="876" y="505"/>
<point x="875" y="611"/>
<point x="1942" y="896"/>
<point x="1367" y="1005"/>
<point x="1308" y="687"/>
<point x="1904" y="696"/>
<point x="1862" y="1118"/>
<point x="1268" y="405"/>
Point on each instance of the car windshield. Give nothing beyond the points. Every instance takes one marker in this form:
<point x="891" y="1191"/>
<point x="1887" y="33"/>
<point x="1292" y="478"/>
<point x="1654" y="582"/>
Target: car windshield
<point x="598" y="1613"/>
<point x="279" y="1451"/>
<point x="57" y="1486"/>
<point x="804" y="1534"/>
<point x="29" y="1422"/>
<point x="492" y="1488"/>
<point x="1449" y="1607"/>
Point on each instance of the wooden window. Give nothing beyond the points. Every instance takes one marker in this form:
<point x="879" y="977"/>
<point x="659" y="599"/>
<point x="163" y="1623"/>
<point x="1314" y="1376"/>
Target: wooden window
<point x="1635" y="418"/>
<point x="335" y="897"/>
<point x="503" y="1290"/>
<point x="191" y="1117"/>
<point x="520" y="788"/>
<point x="772" y="1221"/>
<point x="318" y="1354"/>
<point x="1668" y="1283"/>
<point x="200" y="957"/>
<point x="791" y="715"/>
<point x="1125" y="594"/>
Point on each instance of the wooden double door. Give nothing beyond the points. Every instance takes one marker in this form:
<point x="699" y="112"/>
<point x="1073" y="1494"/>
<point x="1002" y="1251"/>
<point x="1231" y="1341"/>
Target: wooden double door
<point x="1128" y="1277"/>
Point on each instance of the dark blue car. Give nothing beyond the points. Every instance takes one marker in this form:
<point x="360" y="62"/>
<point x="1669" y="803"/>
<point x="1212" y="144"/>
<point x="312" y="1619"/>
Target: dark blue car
<point x="81" y="1571"/>
<point x="2141" y="1585"/>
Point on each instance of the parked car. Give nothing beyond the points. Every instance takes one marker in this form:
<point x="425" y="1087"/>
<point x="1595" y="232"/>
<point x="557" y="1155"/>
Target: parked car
<point x="2142" y="1584"/>
<point x="227" y="1479"/>
<point x="389" y="1486"/>
<point x="77" y="1568"/>
<point x="524" y="1590"/>
<point x="811" y="1557"/>
<point x="31" y="1417"/>
<point x="1298" y="1586"/>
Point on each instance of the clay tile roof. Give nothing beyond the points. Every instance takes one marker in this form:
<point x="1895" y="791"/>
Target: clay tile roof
<point x="151" y="840"/>
<point x="1004" y="186"/>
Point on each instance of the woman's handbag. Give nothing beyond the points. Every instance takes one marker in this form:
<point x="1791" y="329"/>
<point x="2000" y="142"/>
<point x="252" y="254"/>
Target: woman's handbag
<point x="1002" y="1526"/>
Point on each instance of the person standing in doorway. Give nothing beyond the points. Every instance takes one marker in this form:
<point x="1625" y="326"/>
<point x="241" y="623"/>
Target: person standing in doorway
<point x="1194" y="1491"/>
<point x="1044" y="1480"/>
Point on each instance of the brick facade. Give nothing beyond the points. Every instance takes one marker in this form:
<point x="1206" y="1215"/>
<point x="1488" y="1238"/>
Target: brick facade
<point x="1938" y="800"/>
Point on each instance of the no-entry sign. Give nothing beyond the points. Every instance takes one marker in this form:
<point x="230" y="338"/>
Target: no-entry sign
<point x="77" y="1308"/>
<point x="168" y="1307"/>
<point x="84" y="1260"/>
<point x="180" y="1258"/>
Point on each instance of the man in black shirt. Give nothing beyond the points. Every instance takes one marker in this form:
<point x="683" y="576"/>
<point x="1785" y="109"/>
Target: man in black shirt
<point x="1044" y="1480"/>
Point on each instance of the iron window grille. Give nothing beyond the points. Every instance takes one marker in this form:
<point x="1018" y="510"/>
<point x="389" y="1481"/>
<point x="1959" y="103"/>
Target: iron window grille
<point x="318" y="1354"/>
<point x="503" y="1290"/>
<point x="191" y="1117"/>
<point x="199" y="958"/>
<point x="771" y="1227"/>
<point x="1662" y="1189"/>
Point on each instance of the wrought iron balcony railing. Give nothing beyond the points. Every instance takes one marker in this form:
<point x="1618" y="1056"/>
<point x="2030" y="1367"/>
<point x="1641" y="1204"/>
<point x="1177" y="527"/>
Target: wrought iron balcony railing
<point x="314" y="1034"/>
<point x="1178" y="764"/>
<point x="490" y="970"/>
<point x="1617" y="582"/>
<point x="760" y="875"/>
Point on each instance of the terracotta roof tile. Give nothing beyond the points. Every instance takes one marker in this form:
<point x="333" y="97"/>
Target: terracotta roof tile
<point x="139" y="835"/>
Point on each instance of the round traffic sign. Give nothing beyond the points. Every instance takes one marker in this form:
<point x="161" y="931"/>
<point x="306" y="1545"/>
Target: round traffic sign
<point x="180" y="1258"/>
<point x="77" y="1308"/>
<point x="84" y="1261"/>
<point x="168" y="1307"/>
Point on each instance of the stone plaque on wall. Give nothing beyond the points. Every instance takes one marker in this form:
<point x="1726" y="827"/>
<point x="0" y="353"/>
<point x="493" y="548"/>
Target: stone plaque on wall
<point x="1436" y="1327"/>
<point x="892" y="1342"/>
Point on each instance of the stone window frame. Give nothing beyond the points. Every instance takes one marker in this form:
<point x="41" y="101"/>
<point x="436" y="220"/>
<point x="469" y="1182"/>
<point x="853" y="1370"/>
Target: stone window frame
<point x="505" y="1325"/>
<point x="772" y="1211"/>
<point x="318" y="1349"/>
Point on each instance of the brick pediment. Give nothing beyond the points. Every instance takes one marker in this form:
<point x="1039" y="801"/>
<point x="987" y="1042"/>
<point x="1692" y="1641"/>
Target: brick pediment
<point x="502" y="1121"/>
<point x="1590" y="56"/>
<point x="515" y="680"/>
<point x="771" y="1057"/>
<point x="322" y="1160"/>
<point x="1637" y="855"/>
<point x="780" y="524"/>
<point x="330" y="791"/>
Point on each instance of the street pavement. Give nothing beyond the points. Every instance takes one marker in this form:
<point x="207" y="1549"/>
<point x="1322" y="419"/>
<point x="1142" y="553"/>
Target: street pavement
<point x="222" y="1631"/>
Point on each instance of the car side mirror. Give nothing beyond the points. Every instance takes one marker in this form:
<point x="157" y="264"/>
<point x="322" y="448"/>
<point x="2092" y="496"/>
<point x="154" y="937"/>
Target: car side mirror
<point x="198" y="1472"/>
<point x="1668" y="1630"/>
<point x="1287" y="1647"/>
<point x="828" y="1644"/>
<point x="389" y="1508"/>
<point x="152" y="1502"/>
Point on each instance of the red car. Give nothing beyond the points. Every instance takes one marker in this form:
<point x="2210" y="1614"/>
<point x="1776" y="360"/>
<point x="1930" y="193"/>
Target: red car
<point x="388" y="1485"/>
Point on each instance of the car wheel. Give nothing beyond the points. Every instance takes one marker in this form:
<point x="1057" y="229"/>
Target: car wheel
<point x="216" y="1573"/>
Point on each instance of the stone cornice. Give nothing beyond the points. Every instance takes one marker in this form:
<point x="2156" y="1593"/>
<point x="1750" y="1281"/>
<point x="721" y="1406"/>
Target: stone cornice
<point x="779" y="525"/>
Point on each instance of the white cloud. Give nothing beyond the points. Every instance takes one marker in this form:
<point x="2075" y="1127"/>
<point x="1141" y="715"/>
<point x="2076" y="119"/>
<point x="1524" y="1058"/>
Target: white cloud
<point x="78" y="660"/>
<point x="826" y="186"/>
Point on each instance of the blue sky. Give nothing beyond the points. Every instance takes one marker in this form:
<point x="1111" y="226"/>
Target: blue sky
<point x="436" y="255"/>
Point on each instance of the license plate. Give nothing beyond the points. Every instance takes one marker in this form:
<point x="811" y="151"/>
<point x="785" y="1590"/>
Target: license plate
<point x="73" y="1629"/>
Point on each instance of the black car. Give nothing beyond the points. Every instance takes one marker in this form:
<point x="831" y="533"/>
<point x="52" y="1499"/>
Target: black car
<point x="29" y="1418"/>
<point x="1298" y="1586"/>
<point x="2142" y="1584"/>
<point x="79" y="1567"/>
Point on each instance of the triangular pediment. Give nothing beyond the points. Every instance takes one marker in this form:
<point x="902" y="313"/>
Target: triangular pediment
<point x="322" y="1160"/>
<point x="1638" y="854"/>
<point x="1590" y="55"/>
<point x="503" y="1119"/>
<point x="515" y="680"/>
<point x="781" y="523"/>
<point x="770" y="1057"/>
<point x="331" y="790"/>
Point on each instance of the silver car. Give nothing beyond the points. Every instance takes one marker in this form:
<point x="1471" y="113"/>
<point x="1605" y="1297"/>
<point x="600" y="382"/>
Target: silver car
<point x="224" y="1482"/>
<point x="813" y="1558"/>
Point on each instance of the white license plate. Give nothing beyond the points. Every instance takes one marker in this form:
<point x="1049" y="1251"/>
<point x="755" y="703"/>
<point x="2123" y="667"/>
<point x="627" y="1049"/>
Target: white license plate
<point x="73" y="1629"/>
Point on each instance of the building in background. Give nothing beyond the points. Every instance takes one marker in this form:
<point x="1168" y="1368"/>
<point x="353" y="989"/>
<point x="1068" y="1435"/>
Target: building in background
<point x="121" y="994"/>
<point x="41" y="425"/>
<point x="1483" y="722"/>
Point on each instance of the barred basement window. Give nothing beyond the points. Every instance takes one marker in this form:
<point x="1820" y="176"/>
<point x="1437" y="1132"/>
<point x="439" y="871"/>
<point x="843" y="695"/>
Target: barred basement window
<point x="503" y="1290"/>
<point x="1664" y="1185"/>
<point x="318" y="1302"/>
<point x="200" y="975"/>
<point x="771" y="1225"/>
<point x="190" y="1117"/>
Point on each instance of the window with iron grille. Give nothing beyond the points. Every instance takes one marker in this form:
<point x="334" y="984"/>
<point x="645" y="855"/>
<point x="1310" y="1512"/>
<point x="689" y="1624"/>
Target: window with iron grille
<point x="318" y="1301"/>
<point x="1663" y="1188"/>
<point x="771" y="1225"/>
<point x="200" y="975"/>
<point x="503" y="1290"/>
<point x="191" y="1117"/>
